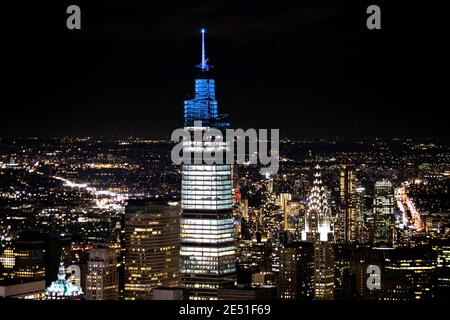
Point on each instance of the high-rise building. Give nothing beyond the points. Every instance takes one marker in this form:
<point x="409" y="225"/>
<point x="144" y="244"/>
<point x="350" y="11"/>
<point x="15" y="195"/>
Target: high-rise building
<point x="23" y="260"/>
<point x="363" y="234"/>
<point x="418" y="270"/>
<point x="207" y="224"/>
<point x="284" y="199"/>
<point x="347" y="226"/>
<point x="152" y="247"/>
<point x="442" y="249"/>
<point x="296" y="277"/>
<point x="102" y="281"/>
<point x="318" y="230"/>
<point x="383" y="213"/>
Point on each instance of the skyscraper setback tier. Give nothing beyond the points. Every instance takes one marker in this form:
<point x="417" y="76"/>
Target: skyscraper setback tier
<point x="207" y="253"/>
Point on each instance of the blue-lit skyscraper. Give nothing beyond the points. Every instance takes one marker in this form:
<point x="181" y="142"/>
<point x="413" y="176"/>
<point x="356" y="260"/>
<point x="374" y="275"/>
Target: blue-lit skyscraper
<point x="207" y="229"/>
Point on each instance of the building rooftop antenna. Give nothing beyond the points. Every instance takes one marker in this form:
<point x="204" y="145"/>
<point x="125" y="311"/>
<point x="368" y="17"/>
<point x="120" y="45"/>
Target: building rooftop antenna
<point x="203" y="65"/>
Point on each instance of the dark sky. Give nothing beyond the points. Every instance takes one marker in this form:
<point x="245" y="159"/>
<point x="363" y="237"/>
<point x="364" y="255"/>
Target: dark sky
<point x="309" y="68"/>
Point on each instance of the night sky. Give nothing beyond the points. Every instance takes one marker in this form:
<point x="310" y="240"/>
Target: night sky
<point x="310" y="68"/>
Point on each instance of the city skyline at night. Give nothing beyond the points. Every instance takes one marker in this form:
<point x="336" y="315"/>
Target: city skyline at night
<point x="102" y="197"/>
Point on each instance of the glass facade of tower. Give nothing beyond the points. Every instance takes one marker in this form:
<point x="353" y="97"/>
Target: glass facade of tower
<point x="383" y="212"/>
<point x="203" y="107"/>
<point x="206" y="187"/>
<point x="208" y="249"/>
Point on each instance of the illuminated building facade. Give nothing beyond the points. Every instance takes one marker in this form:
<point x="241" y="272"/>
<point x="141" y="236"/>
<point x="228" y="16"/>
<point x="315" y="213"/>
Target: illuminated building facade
<point x="61" y="289"/>
<point x="318" y="230"/>
<point x="296" y="277"/>
<point x="152" y="247"/>
<point x="418" y="269"/>
<point x="383" y="213"/>
<point x="23" y="260"/>
<point x="207" y="224"/>
<point x="102" y="282"/>
<point x="347" y="222"/>
<point x="7" y="262"/>
<point x="30" y="259"/>
<point x="442" y="249"/>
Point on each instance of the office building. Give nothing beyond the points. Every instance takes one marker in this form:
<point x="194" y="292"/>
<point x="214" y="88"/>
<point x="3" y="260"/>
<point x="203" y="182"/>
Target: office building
<point x="383" y="213"/>
<point x="207" y="225"/>
<point x="152" y="247"/>
<point x="102" y="281"/>
<point x="296" y="277"/>
<point x="347" y="227"/>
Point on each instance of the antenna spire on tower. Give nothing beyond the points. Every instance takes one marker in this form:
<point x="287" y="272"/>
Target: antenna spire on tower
<point x="203" y="65"/>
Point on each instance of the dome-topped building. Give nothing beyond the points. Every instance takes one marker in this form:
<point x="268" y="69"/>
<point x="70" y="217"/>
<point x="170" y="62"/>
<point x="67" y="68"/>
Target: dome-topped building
<point x="61" y="288"/>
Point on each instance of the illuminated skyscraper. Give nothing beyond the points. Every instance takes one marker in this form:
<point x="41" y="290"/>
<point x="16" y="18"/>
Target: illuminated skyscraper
<point x="30" y="259"/>
<point x="383" y="212"/>
<point x="102" y="281"/>
<point x="347" y="226"/>
<point x="151" y="247"/>
<point x="318" y="230"/>
<point x="207" y="229"/>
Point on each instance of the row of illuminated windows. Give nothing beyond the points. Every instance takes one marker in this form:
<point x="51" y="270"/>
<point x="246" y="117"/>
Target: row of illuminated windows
<point x="206" y="191"/>
<point x="206" y="178"/>
<point x="206" y="229"/>
<point x="207" y="196"/>
<point x="208" y="261"/>
<point x="200" y="167"/>
<point x="205" y="204"/>
<point x="202" y="250"/>
<point x="201" y="186"/>
<point x="199" y="234"/>
<point x="201" y="224"/>
<point x="207" y="207"/>
<point x="205" y="222"/>
<point x="194" y="264"/>
<point x="197" y="271"/>
<point x="187" y="173"/>
<point x="207" y="183"/>
<point x="205" y="199"/>
<point x="186" y="238"/>
<point x="205" y="187"/>
<point x="202" y="240"/>
<point x="204" y="255"/>
<point x="192" y="199"/>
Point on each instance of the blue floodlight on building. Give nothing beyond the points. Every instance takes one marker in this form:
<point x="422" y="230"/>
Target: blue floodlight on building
<point x="203" y="107"/>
